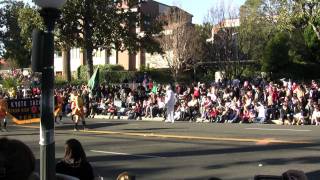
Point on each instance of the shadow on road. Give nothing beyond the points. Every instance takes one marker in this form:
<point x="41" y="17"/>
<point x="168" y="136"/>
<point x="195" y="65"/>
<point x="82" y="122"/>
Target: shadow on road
<point x="273" y="161"/>
<point x="314" y="175"/>
<point x="243" y="149"/>
<point x="90" y="126"/>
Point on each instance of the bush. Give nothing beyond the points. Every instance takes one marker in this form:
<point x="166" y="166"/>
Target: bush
<point x="117" y="76"/>
<point x="158" y="75"/>
<point x="82" y="72"/>
<point x="60" y="82"/>
<point x="10" y="83"/>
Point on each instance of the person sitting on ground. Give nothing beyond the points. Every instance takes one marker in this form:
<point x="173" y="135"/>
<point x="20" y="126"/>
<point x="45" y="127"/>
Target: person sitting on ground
<point x="213" y="113"/>
<point x="234" y="114"/>
<point x="17" y="161"/>
<point x="74" y="162"/>
<point x="315" y="118"/>
<point x="262" y="113"/>
<point x="112" y="110"/>
<point x="138" y="111"/>
<point x="193" y="105"/>
<point x="245" y="116"/>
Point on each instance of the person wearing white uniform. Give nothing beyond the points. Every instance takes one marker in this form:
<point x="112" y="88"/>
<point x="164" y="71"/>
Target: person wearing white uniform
<point x="170" y="102"/>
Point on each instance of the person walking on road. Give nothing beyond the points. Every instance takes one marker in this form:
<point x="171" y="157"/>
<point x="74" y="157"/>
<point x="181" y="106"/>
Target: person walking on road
<point x="78" y="111"/>
<point x="170" y="102"/>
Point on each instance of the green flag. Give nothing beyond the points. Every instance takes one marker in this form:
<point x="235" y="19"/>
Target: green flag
<point x="94" y="80"/>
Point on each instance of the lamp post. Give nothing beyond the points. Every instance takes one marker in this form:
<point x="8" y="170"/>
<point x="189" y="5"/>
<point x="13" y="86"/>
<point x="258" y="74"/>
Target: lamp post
<point x="50" y="13"/>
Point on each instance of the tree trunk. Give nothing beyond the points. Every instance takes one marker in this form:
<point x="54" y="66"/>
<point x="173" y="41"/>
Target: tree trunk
<point x="117" y="56"/>
<point x="88" y="36"/>
<point x="89" y="62"/>
<point x="66" y="64"/>
<point x="84" y="54"/>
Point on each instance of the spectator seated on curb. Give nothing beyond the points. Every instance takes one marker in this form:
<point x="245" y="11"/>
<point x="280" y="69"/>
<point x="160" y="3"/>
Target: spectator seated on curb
<point x="315" y="118"/>
<point x="262" y="113"/>
<point x="112" y="110"/>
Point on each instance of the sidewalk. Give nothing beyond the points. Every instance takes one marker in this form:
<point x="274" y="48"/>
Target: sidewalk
<point x="160" y="119"/>
<point x="156" y="119"/>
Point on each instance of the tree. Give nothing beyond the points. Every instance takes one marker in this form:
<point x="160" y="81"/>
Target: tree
<point x="258" y="22"/>
<point x="223" y="46"/>
<point x="300" y="13"/>
<point x="66" y="35"/>
<point x="111" y="26"/>
<point x="30" y="19"/>
<point x="181" y="42"/>
<point x="15" y="48"/>
<point x="276" y="55"/>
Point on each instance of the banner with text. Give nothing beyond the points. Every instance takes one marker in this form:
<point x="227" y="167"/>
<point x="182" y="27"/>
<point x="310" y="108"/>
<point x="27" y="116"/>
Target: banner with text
<point x="23" y="110"/>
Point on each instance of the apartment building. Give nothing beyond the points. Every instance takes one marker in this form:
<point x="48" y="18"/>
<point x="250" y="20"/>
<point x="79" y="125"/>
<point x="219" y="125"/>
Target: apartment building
<point x="226" y="23"/>
<point x="129" y="61"/>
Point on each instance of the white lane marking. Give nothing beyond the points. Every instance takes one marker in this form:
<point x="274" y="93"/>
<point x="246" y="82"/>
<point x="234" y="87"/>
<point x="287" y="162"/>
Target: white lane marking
<point x="125" y="154"/>
<point x="267" y="129"/>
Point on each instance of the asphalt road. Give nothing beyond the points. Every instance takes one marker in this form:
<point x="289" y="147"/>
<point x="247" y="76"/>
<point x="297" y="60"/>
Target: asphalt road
<point x="165" y="151"/>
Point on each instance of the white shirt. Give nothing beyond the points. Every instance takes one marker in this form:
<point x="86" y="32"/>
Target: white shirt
<point x="169" y="99"/>
<point x="261" y="112"/>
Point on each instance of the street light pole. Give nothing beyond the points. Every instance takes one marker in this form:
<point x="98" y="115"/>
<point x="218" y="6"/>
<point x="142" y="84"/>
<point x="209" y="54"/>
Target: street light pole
<point x="50" y="13"/>
<point x="47" y="141"/>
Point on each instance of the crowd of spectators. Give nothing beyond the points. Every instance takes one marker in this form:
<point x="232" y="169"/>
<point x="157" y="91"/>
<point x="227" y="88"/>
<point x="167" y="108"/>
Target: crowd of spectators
<point x="223" y="102"/>
<point x="228" y="101"/>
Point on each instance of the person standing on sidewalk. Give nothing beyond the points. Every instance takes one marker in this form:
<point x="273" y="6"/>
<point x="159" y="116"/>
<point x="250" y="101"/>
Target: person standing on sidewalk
<point x="170" y="102"/>
<point x="3" y="113"/>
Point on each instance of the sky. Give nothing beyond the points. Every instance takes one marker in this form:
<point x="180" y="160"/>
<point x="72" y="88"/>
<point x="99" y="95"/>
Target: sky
<point x="199" y="8"/>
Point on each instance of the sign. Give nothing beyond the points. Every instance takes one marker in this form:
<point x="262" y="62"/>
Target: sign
<point x="24" y="109"/>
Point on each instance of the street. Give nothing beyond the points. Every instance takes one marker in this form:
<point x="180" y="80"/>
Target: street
<point x="157" y="150"/>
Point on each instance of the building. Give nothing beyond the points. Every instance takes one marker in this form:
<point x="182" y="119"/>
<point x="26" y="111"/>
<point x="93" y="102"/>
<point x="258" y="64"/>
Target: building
<point x="226" y="23"/>
<point x="149" y="8"/>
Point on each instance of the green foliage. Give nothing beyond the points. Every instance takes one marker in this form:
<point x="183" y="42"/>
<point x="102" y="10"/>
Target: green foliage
<point x="250" y="72"/>
<point x="300" y="14"/>
<point x="10" y="83"/>
<point x="82" y="72"/>
<point x="104" y="71"/>
<point x="312" y="45"/>
<point x="209" y="76"/>
<point x="159" y="75"/>
<point x="14" y="46"/>
<point x="116" y="74"/>
<point x="276" y="57"/>
<point x="256" y="27"/>
<point x="28" y="20"/>
<point x="91" y="25"/>
<point x="60" y="82"/>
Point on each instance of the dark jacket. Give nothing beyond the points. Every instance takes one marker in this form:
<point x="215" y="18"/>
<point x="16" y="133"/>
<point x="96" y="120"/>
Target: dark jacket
<point x="82" y="171"/>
